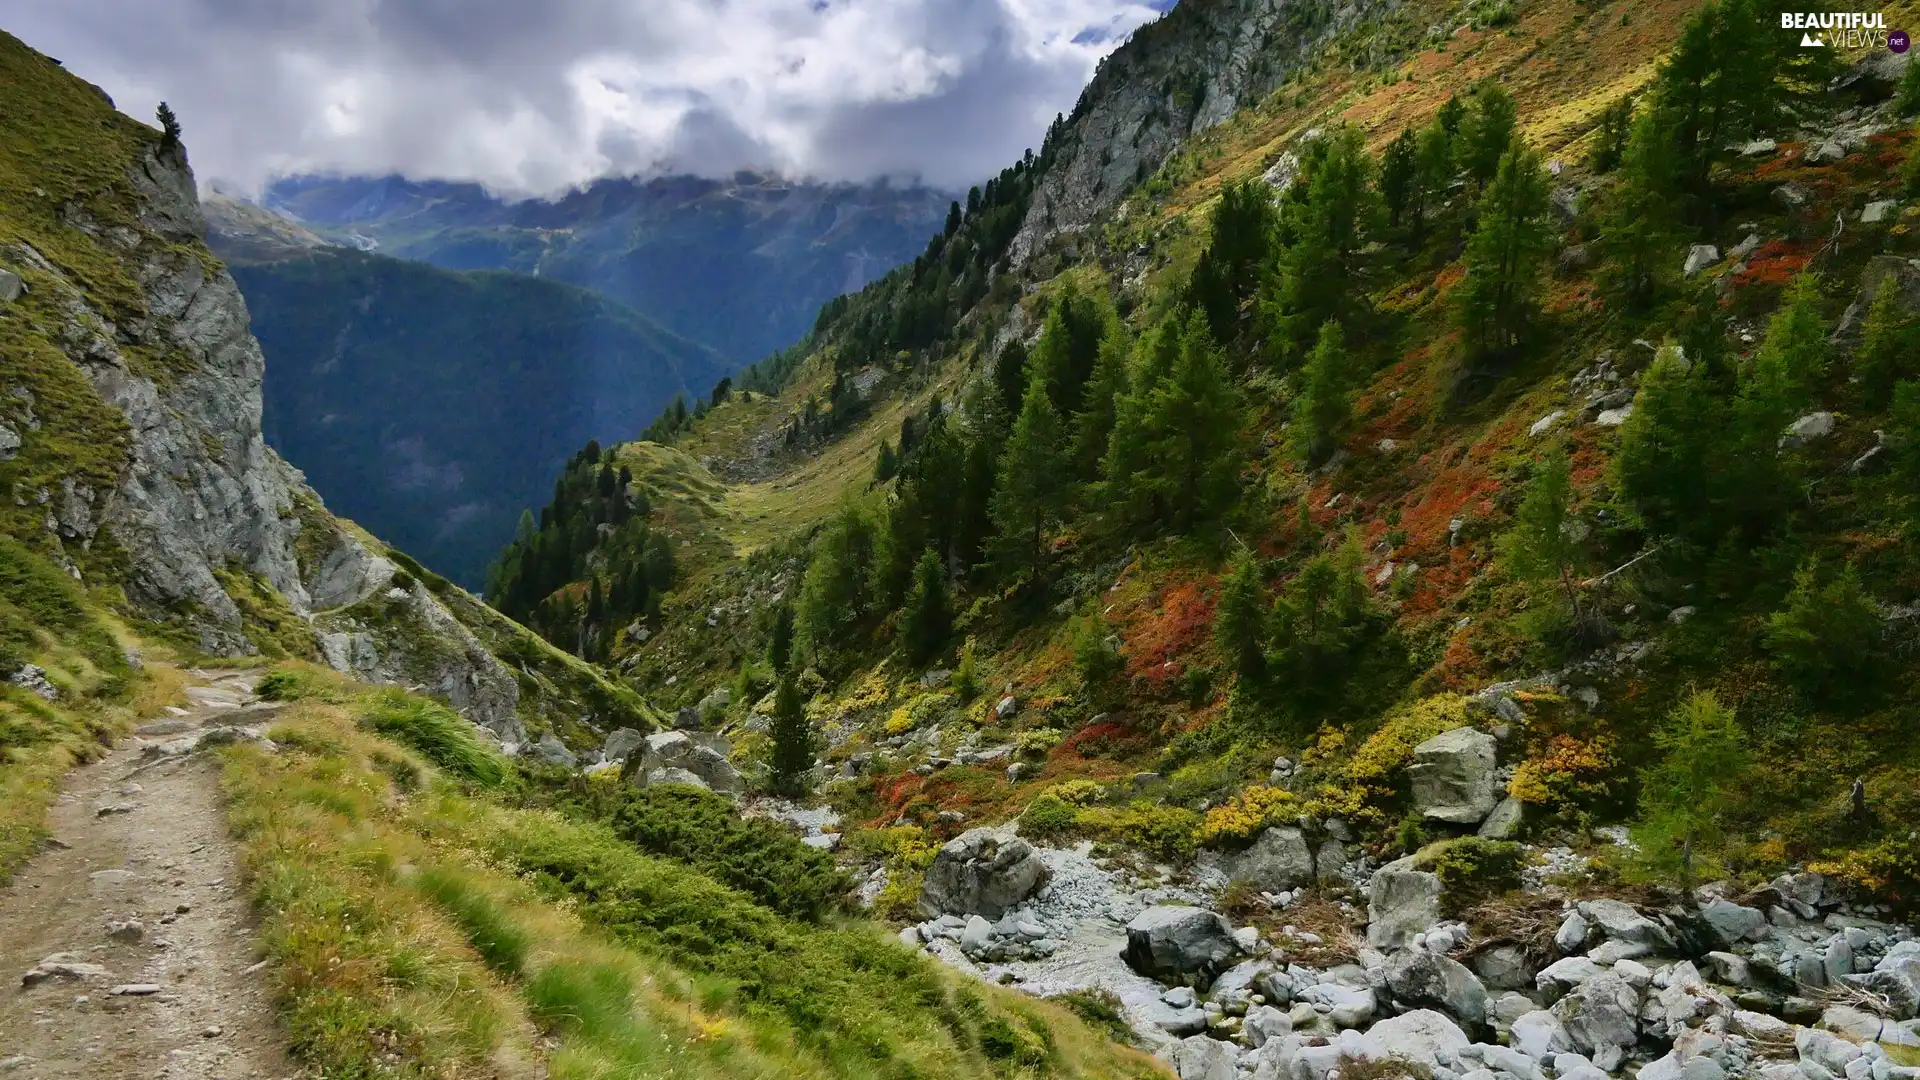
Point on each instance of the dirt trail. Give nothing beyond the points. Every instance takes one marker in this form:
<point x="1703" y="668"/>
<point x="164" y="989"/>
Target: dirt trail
<point x="127" y="947"/>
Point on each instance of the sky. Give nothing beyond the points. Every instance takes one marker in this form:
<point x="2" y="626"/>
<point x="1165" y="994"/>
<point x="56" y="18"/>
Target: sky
<point x="537" y="96"/>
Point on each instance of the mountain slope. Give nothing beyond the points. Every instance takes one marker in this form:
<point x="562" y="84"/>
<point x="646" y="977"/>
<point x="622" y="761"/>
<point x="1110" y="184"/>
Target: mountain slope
<point x="434" y="407"/>
<point x="740" y="265"/>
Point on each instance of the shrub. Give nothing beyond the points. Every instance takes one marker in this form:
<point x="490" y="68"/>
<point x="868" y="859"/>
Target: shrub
<point x="1078" y="792"/>
<point x="1036" y="743"/>
<point x="1824" y="637"/>
<point x="438" y="733"/>
<point x="1049" y="815"/>
<point x="1164" y="831"/>
<point x="761" y="858"/>
<point x="1570" y="774"/>
<point x="1242" y="818"/>
<point x="1387" y="752"/>
<point x="1101" y="1009"/>
<point x="1472" y="869"/>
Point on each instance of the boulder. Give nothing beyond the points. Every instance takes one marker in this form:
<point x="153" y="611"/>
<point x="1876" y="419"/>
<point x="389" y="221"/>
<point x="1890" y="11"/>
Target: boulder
<point x="675" y="756"/>
<point x="1453" y="776"/>
<point x="981" y="872"/>
<point x="1265" y="1022"/>
<point x="1425" y="980"/>
<point x="11" y="287"/>
<point x="550" y="750"/>
<point x="1563" y="975"/>
<point x="1601" y="1018"/>
<point x="1699" y="257"/>
<point x="1504" y="821"/>
<point x="622" y="743"/>
<point x="1574" y="933"/>
<point x="1191" y="1020"/>
<point x="1400" y="905"/>
<point x="1504" y="967"/>
<point x="1279" y="860"/>
<point x="1620" y="922"/>
<point x="1540" y="1035"/>
<point x="1809" y="428"/>
<point x="1177" y="941"/>
<point x="1202" y="1057"/>
<point x="1732" y="923"/>
<point x="1421" y="1036"/>
<point x="1878" y="211"/>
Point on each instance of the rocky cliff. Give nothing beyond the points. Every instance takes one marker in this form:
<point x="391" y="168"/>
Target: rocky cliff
<point x="1189" y="71"/>
<point x="150" y="473"/>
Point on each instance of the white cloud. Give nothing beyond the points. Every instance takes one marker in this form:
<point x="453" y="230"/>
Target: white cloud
<point x="535" y="97"/>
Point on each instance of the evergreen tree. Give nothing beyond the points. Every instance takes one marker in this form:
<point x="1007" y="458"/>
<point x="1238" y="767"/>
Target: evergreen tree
<point x="1432" y="175"/>
<point x="1451" y="115"/>
<point x="1093" y="425"/>
<point x="1027" y="494"/>
<point x="1487" y="134"/>
<point x="1319" y="277"/>
<point x="1010" y="376"/>
<point x="887" y="465"/>
<point x="1826" y="636"/>
<point x="929" y="614"/>
<point x="1497" y="301"/>
<point x="169" y="127"/>
<point x="1610" y="140"/>
<point x="1753" y="481"/>
<point x="780" y="639"/>
<point x="1903" y="433"/>
<point x="1538" y="548"/>
<point x="1069" y="345"/>
<point x="793" y="742"/>
<point x="897" y="547"/>
<point x="1684" y="799"/>
<point x="1885" y="355"/>
<point x="1398" y="174"/>
<point x="1195" y="419"/>
<point x="1324" y="406"/>
<point x="966" y="677"/>
<point x="1239" y="619"/>
<point x="1228" y="274"/>
<point x="834" y="591"/>
<point x="1639" y="224"/>
<point x="1662" y="464"/>
<point x="660" y="562"/>
<point x="1318" y="621"/>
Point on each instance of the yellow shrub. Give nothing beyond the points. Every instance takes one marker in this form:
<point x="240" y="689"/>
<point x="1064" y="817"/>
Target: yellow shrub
<point x="918" y="712"/>
<point x="1568" y="772"/>
<point x="1390" y="749"/>
<point x="1166" y="831"/>
<point x="1241" y="818"/>
<point x="1078" y="792"/>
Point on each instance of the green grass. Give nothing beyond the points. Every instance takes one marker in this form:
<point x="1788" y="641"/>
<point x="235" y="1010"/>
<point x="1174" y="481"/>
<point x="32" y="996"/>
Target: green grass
<point x="439" y="734"/>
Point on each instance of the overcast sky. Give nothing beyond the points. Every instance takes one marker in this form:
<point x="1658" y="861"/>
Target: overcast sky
<point x="533" y="96"/>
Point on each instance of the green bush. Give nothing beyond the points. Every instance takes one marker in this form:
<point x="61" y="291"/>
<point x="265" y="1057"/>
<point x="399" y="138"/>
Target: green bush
<point x="1472" y="869"/>
<point x="438" y="733"/>
<point x="1049" y="815"/>
<point x="761" y="858"/>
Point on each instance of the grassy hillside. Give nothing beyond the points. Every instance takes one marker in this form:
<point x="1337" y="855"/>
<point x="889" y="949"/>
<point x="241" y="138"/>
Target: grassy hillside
<point x="434" y="407"/>
<point x="1455" y="496"/>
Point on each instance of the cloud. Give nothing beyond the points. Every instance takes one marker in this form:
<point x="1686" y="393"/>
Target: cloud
<point x="537" y="97"/>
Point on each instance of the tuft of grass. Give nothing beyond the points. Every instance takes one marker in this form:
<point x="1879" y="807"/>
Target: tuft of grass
<point x="441" y="735"/>
<point x="501" y="943"/>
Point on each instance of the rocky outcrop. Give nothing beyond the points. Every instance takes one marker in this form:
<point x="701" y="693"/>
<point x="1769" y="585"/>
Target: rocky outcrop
<point x="676" y="757"/>
<point x="1453" y="776"/>
<point x="981" y="872"/>
<point x="1181" y="942"/>
<point x="1179" y="76"/>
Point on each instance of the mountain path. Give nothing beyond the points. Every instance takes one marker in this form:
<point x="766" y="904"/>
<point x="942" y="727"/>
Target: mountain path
<point x="127" y="945"/>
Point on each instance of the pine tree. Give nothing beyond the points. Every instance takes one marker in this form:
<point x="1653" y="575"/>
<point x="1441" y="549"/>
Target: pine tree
<point x="966" y="677"/>
<point x="1826" y="636"/>
<point x="169" y="127"/>
<point x="660" y="560"/>
<point x="887" y="465"/>
<point x="780" y="639"/>
<point x="1610" y="140"/>
<point x="929" y="615"/>
<point x="1093" y="425"/>
<point x="793" y="742"/>
<point x="1319" y="277"/>
<point x="1662" y="464"/>
<point x="1885" y="355"/>
<point x="1196" y="419"/>
<point x="1640" y="227"/>
<point x="1239" y="619"/>
<point x="1324" y="406"/>
<point x="1010" y="376"/>
<point x="1398" y="167"/>
<point x="897" y="547"/>
<point x="1228" y="274"/>
<point x="1497" y="302"/>
<point x="1538" y="548"/>
<point x="1685" y="798"/>
<point x="1069" y="345"/>
<point x="834" y="594"/>
<point x="1027" y="494"/>
<point x="1487" y="133"/>
<point x="1432" y="175"/>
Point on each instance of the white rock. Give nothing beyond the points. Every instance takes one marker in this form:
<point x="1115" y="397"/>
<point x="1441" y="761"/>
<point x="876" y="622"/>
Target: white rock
<point x="1699" y="257"/>
<point x="1877" y="211"/>
<point x="1538" y="1034"/>
<point x="1544" y="424"/>
<point x="1614" y="417"/>
<point x="1202" y="1057"/>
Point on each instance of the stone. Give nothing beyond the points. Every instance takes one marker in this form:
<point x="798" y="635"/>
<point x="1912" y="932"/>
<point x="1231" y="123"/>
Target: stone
<point x="1400" y="905"/>
<point x="1614" y="417"/>
<point x="981" y="872"/>
<point x="1538" y="1034"/>
<point x="1504" y="967"/>
<point x="1759" y="1025"/>
<point x="673" y="756"/>
<point x="1878" y="211"/>
<point x="1176" y="940"/>
<point x="552" y="751"/>
<point x="1666" y="1067"/>
<point x="1176" y="1022"/>
<point x="1264" y="1022"/>
<point x="1759" y="148"/>
<point x="1424" y="980"/>
<point x="1180" y="997"/>
<point x="1421" y="1035"/>
<point x="1202" y="1057"/>
<point x="1826" y="152"/>
<point x="977" y="935"/>
<point x="1791" y="196"/>
<point x="1809" y="428"/>
<point x="1852" y="1024"/>
<point x="62" y="966"/>
<point x="10" y="442"/>
<point x="11" y="287"/>
<point x="1609" y="953"/>
<point x="1544" y="424"/>
<point x="136" y="990"/>
<point x="1601" y="1018"/>
<point x="1729" y="968"/>
<point x="126" y="931"/>
<point x="1826" y="1050"/>
<point x="1006" y="708"/>
<point x="1278" y="860"/>
<point x="1838" y="959"/>
<point x="1331" y="860"/>
<point x="1699" y="257"/>
<point x="1732" y="923"/>
<point x="1503" y="823"/>
<point x="1619" y="921"/>
<point x="1573" y="934"/>
<point x="1510" y="1061"/>
<point x="622" y="743"/>
<point x="1247" y="938"/>
<point x="34" y="680"/>
<point x="1453" y="776"/>
<point x="1746" y="247"/>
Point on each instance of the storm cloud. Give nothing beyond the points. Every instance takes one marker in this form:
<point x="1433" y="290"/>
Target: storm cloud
<point x="534" y="97"/>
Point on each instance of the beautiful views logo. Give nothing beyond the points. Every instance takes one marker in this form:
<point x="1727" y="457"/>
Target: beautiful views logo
<point x="1838" y="29"/>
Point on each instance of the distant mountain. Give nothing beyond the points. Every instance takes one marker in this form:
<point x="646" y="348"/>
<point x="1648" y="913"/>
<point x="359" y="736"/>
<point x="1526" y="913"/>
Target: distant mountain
<point x="742" y="264"/>
<point x="433" y="406"/>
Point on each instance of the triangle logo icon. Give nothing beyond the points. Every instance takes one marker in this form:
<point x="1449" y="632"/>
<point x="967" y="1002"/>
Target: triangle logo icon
<point x="1808" y="41"/>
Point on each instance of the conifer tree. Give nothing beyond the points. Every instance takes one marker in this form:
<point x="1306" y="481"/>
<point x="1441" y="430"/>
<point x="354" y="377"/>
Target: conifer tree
<point x="1069" y="344"/>
<point x="1639" y="224"/>
<point x="1324" y="406"/>
<point x="1093" y="425"/>
<point x="1195" y="418"/>
<point x="1903" y="432"/>
<point x="1497" y="301"/>
<point x="1886" y="353"/>
<point x="1031" y="481"/>
<point x="929" y="615"/>
<point x="897" y="546"/>
<point x="966" y="677"/>
<point x="1662" y="464"/>
<point x="887" y="465"/>
<point x="1319" y="276"/>
<point x="1433" y="175"/>
<point x="1239" y="619"/>
<point x="1610" y="141"/>
<point x="780" y="639"/>
<point x="1010" y="376"/>
<point x="1228" y="274"/>
<point x="1684" y="799"/>
<point x="169" y="127"/>
<point x="1538" y="548"/>
<point x="834" y="590"/>
<point x="1487" y="133"/>
<point x="793" y="742"/>
<point x="1825" y="637"/>
<point x="1398" y="168"/>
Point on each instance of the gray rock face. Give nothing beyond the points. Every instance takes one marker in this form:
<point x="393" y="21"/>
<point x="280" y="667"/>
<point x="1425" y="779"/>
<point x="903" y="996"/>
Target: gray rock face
<point x="1182" y="75"/>
<point x="1278" y="860"/>
<point x="1504" y="822"/>
<point x="1453" y="776"/>
<point x="1400" y="905"/>
<point x="11" y="287"/>
<point x="1425" y="980"/>
<point x="1732" y="923"/>
<point x="623" y="743"/>
<point x="1620" y="922"/>
<point x="1601" y="1018"/>
<point x="1201" y="1057"/>
<point x="1177" y="941"/>
<point x="981" y="872"/>
<point x="1504" y="967"/>
<point x="676" y="757"/>
<point x="554" y="752"/>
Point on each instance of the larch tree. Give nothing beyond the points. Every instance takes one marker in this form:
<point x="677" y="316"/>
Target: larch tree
<point x="1497" y="302"/>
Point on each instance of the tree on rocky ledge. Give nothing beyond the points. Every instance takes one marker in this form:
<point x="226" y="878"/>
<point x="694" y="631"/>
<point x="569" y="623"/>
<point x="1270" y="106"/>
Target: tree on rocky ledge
<point x="169" y="128"/>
